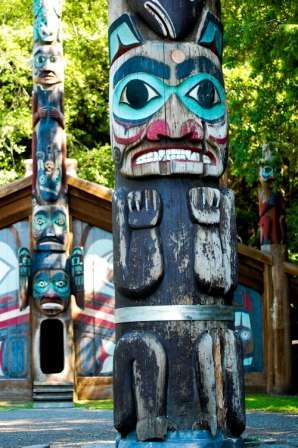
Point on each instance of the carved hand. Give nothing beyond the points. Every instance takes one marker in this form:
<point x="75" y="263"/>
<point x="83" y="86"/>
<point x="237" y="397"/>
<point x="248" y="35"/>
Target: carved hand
<point x="204" y="205"/>
<point x="144" y="209"/>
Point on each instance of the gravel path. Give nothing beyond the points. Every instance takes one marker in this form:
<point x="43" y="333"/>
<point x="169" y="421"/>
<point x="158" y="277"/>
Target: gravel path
<point x="84" y="428"/>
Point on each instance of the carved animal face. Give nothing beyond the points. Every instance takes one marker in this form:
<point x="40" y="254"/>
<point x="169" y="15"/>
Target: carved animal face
<point x="168" y="18"/>
<point x="50" y="227"/>
<point x="168" y="111"/>
<point x="48" y="65"/>
<point x="51" y="291"/>
<point x="47" y="23"/>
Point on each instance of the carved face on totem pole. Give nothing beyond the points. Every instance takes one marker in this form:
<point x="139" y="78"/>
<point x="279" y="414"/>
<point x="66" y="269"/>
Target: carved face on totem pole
<point x="168" y="104"/>
<point x="50" y="229"/>
<point x="51" y="282"/>
<point x="48" y="65"/>
<point x="47" y="23"/>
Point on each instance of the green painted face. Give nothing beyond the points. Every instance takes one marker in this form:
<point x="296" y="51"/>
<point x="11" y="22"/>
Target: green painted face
<point x="50" y="227"/>
<point x="51" y="291"/>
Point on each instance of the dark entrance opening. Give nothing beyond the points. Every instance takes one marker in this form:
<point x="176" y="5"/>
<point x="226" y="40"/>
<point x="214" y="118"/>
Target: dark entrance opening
<point x="51" y="346"/>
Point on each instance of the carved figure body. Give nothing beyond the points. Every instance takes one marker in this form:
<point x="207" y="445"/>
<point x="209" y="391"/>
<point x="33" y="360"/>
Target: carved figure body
<point x="48" y="143"/>
<point x="271" y="210"/>
<point x="50" y="152"/>
<point x="178" y="362"/>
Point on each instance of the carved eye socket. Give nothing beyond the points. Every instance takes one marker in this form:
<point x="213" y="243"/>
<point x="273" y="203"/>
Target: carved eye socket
<point x="40" y="60"/>
<point x="54" y="58"/>
<point x="39" y="222"/>
<point x="60" y="283"/>
<point x="42" y="284"/>
<point x="137" y="94"/>
<point x="205" y="93"/>
<point x="60" y="221"/>
<point x="245" y="335"/>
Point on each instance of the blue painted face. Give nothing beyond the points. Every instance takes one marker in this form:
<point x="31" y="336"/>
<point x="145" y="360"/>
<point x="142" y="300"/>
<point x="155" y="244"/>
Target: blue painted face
<point x="51" y="291"/>
<point x="50" y="227"/>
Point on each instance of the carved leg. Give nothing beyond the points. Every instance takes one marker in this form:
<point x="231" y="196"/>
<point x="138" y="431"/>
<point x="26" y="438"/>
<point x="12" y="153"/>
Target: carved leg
<point x="232" y="361"/>
<point x="140" y="366"/>
<point x="219" y="377"/>
<point x="265" y="229"/>
<point x="205" y="377"/>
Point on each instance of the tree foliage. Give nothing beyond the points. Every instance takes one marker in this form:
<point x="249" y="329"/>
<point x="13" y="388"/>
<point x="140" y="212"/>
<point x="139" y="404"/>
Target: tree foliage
<point x="261" y="71"/>
<point x="86" y="87"/>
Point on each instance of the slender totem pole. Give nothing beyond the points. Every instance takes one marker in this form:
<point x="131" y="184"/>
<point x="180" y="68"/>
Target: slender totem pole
<point x="52" y="275"/>
<point x="178" y="375"/>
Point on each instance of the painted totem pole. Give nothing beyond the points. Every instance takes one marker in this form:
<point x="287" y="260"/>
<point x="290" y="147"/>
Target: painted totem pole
<point x="272" y="212"/>
<point x="51" y="275"/>
<point x="271" y="201"/>
<point x="178" y="367"/>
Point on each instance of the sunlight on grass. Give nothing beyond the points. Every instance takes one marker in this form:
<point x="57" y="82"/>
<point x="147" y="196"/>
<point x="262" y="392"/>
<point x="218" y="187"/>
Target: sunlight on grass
<point x="10" y="405"/>
<point x="271" y="403"/>
<point x="94" y="404"/>
<point x="255" y="402"/>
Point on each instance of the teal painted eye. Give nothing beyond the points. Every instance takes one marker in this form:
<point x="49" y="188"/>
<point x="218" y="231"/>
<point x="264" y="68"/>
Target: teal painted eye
<point x="61" y="286"/>
<point x="40" y="222"/>
<point x="60" y="221"/>
<point x="54" y="58"/>
<point x="137" y="94"/>
<point x="40" y="60"/>
<point x="60" y="283"/>
<point x="42" y="284"/>
<point x="205" y="93"/>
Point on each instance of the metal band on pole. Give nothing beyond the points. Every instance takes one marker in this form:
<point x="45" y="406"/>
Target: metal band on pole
<point x="174" y="312"/>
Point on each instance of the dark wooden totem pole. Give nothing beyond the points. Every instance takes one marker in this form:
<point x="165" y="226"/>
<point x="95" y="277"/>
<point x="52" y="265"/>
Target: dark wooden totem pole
<point x="178" y="374"/>
<point x="51" y="275"/>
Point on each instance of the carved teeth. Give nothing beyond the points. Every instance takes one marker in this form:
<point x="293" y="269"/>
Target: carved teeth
<point x="206" y="160"/>
<point x="163" y="155"/>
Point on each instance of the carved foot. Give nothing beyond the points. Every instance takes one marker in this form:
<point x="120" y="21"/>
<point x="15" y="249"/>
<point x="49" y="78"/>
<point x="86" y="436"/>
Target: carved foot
<point x="152" y="428"/>
<point x="219" y="376"/>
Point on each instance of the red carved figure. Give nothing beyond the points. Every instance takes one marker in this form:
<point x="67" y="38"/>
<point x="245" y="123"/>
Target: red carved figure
<point x="271" y="208"/>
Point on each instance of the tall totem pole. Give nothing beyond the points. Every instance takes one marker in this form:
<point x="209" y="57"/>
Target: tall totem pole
<point x="51" y="276"/>
<point x="178" y="373"/>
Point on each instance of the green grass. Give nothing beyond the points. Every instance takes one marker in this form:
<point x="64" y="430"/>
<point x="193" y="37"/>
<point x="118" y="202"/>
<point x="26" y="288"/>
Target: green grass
<point x="10" y="405"/>
<point x="252" y="402"/>
<point x="94" y="404"/>
<point x="271" y="403"/>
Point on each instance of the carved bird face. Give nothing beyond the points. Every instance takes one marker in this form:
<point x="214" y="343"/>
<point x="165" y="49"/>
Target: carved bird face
<point x="168" y="18"/>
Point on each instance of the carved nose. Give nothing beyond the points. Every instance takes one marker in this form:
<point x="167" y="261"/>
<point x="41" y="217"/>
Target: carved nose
<point x="190" y="130"/>
<point x="51" y="295"/>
